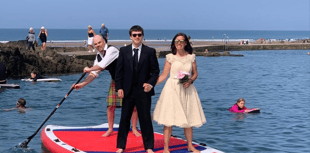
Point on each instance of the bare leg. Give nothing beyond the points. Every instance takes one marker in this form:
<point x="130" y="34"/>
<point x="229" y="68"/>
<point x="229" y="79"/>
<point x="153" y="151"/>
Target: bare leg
<point x="134" y="121"/>
<point x="119" y="150"/>
<point x="90" y="47"/>
<point x="43" y="46"/>
<point x="149" y="151"/>
<point x="111" y="115"/>
<point x="189" y="137"/>
<point x="167" y="135"/>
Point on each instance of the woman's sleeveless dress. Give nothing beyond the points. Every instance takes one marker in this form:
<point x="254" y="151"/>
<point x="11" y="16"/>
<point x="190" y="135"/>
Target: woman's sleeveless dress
<point x="176" y="105"/>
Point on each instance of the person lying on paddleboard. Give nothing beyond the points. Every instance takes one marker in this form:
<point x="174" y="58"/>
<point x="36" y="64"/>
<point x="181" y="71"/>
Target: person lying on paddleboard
<point x="239" y="107"/>
<point x="35" y="76"/>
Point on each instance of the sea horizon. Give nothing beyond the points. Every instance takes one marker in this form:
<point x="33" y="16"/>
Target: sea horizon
<point x="14" y="34"/>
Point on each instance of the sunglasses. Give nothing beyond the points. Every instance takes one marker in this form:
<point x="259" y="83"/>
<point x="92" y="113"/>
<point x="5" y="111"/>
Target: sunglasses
<point x="139" y="35"/>
<point x="179" y="41"/>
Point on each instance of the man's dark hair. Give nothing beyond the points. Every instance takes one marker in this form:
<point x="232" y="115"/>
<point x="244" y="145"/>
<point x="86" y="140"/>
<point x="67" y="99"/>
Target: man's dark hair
<point x="22" y="102"/>
<point x="136" y="28"/>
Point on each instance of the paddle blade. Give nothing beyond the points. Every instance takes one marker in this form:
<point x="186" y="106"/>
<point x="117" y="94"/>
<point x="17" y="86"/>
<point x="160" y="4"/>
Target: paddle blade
<point x="24" y="144"/>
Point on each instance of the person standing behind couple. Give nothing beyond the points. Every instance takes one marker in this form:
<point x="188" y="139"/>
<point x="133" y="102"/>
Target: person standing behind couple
<point x="179" y="104"/>
<point x="106" y="59"/>
<point x="136" y="74"/>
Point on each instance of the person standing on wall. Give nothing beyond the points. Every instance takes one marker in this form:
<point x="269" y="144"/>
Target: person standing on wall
<point x="31" y="38"/>
<point x="104" y="31"/>
<point x="43" y="37"/>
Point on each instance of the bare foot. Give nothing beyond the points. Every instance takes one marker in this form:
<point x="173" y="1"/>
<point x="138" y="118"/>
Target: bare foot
<point x="193" y="149"/>
<point x="108" y="133"/>
<point x="166" y="151"/>
<point x="149" y="151"/>
<point x="136" y="133"/>
<point x="120" y="150"/>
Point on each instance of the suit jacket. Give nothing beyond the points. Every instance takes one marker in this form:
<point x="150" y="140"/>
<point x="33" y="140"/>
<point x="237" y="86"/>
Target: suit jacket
<point x="148" y="69"/>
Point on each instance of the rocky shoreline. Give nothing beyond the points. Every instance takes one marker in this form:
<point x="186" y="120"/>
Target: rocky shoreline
<point x="20" y="62"/>
<point x="61" y="60"/>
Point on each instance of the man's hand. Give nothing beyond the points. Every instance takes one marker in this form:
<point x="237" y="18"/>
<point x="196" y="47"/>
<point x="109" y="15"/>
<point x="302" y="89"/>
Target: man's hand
<point x="86" y="69"/>
<point x="147" y="87"/>
<point x="77" y="86"/>
<point x="120" y="93"/>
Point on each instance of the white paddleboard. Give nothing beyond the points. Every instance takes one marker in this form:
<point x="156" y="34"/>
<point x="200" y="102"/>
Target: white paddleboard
<point x="44" y="80"/>
<point x="15" y="86"/>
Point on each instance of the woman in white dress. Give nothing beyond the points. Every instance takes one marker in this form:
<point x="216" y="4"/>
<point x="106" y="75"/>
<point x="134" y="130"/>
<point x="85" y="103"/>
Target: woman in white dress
<point x="179" y="104"/>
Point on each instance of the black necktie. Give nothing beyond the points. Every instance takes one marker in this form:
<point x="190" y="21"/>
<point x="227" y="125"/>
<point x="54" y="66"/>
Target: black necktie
<point x="135" y="59"/>
<point x="99" y="58"/>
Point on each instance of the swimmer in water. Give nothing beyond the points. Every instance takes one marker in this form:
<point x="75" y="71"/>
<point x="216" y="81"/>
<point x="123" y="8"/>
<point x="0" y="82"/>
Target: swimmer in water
<point x="20" y="105"/>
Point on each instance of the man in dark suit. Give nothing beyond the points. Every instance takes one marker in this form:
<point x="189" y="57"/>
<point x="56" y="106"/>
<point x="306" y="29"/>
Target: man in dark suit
<point x="136" y="74"/>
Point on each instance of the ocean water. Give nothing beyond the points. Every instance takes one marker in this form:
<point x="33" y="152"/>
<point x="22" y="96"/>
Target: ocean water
<point x="278" y="82"/>
<point x="123" y="34"/>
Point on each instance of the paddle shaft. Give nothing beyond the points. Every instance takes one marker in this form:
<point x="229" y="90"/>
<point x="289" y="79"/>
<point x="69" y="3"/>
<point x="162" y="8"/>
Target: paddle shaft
<point x="24" y="144"/>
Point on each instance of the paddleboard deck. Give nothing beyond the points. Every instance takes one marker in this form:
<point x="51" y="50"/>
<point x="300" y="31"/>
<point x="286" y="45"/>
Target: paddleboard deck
<point x="89" y="140"/>
<point x="15" y="86"/>
<point x="44" y="80"/>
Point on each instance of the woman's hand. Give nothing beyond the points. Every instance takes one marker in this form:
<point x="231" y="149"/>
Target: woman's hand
<point x="187" y="84"/>
<point x="246" y="111"/>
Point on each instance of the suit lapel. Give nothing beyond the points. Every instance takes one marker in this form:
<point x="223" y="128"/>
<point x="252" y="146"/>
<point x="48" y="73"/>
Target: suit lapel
<point x="129" y="56"/>
<point x="143" y="55"/>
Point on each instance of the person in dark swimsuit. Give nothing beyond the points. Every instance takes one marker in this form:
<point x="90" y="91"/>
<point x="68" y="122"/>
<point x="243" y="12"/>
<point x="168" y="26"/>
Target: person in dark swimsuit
<point x="91" y="33"/>
<point x="35" y="76"/>
<point x="43" y="37"/>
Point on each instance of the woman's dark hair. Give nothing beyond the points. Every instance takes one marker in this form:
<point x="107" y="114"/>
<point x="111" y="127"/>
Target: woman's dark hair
<point x="188" y="48"/>
<point x="136" y="28"/>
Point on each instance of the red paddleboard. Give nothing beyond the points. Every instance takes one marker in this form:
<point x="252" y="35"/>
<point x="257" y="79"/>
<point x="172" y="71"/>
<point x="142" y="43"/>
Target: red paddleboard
<point x="60" y="139"/>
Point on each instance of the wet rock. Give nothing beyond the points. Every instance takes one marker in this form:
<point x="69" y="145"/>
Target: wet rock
<point x="20" y="62"/>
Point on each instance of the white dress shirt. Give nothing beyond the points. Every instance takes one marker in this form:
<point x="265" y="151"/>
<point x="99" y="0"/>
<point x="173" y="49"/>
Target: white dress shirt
<point x="111" y="54"/>
<point x="139" y="51"/>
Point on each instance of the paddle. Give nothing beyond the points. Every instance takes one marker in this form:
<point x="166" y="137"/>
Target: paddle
<point x="25" y="143"/>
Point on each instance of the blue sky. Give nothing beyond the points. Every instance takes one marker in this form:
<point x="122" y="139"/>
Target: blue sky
<point x="157" y="14"/>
